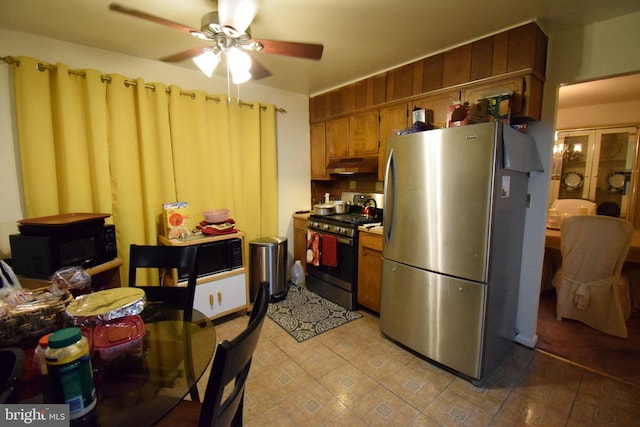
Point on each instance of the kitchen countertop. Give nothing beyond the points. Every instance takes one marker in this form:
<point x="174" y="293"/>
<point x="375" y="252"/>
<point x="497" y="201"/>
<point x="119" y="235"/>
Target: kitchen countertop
<point x="302" y="215"/>
<point x="372" y="230"/>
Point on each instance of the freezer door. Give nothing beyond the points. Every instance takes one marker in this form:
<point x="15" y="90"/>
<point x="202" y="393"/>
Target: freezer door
<point x="437" y="316"/>
<point x="438" y="199"/>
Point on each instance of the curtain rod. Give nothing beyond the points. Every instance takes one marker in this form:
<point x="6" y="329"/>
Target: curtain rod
<point x="106" y="78"/>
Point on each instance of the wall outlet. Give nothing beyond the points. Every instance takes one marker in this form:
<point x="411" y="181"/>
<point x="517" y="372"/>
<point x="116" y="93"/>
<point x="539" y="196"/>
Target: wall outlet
<point x="352" y="185"/>
<point x="379" y="187"/>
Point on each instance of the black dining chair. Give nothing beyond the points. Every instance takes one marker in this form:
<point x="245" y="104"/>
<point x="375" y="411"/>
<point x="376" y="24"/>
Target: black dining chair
<point x="165" y="259"/>
<point x="162" y="260"/>
<point x="231" y="362"/>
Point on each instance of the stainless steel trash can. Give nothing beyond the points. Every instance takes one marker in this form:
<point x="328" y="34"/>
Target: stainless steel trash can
<point x="268" y="263"/>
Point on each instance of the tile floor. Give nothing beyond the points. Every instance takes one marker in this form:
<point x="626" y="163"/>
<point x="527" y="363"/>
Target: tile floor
<point x="352" y="376"/>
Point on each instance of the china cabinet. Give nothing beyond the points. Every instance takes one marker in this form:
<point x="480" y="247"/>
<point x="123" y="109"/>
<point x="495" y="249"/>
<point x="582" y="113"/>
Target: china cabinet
<point x="596" y="164"/>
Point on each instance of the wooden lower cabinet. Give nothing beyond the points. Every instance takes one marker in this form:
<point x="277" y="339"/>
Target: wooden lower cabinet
<point x="369" y="270"/>
<point x="300" y="239"/>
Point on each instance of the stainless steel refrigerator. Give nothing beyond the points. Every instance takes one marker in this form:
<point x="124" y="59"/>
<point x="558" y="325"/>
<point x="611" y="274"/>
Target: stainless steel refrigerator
<point x="453" y="230"/>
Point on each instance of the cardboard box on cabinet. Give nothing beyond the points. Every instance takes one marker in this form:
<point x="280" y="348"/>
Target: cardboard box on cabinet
<point x="175" y="218"/>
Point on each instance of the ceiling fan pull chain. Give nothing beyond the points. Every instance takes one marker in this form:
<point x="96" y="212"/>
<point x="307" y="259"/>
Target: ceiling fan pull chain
<point x="228" y="84"/>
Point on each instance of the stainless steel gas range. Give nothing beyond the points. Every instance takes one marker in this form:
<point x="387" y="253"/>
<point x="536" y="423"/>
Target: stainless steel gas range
<point x="332" y="249"/>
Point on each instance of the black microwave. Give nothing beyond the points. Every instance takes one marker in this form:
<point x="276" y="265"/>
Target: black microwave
<point x="216" y="257"/>
<point x="39" y="255"/>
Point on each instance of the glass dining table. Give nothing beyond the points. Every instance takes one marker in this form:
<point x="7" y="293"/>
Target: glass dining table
<point x="175" y="355"/>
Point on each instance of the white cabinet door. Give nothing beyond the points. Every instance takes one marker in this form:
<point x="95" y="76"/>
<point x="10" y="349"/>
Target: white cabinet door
<point x="222" y="296"/>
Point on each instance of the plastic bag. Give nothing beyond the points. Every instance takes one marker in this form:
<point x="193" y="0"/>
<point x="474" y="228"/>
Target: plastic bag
<point x="10" y="284"/>
<point x="74" y="279"/>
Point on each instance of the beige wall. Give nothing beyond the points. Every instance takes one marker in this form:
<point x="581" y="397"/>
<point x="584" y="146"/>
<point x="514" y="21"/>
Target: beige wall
<point x="292" y="127"/>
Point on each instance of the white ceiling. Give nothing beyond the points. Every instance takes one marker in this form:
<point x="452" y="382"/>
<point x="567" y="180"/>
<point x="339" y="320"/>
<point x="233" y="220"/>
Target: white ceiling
<point x="360" y="37"/>
<point x="604" y="91"/>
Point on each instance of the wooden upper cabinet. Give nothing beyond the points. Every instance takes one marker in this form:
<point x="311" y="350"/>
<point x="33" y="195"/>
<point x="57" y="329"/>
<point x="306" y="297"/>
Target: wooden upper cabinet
<point x="432" y="68"/>
<point x="499" y="54"/>
<point x="339" y="101"/>
<point x="526" y="99"/>
<point x="481" y="59"/>
<point x="437" y="103"/>
<point x="527" y="49"/>
<point x="511" y="61"/>
<point x="337" y="137"/>
<point x="363" y="94"/>
<point x="318" y="152"/>
<point x="370" y="92"/>
<point x="457" y="66"/>
<point x="400" y="83"/>
<point x="319" y="107"/>
<point x="393" y="117"/>
<point x="363" y="133"/>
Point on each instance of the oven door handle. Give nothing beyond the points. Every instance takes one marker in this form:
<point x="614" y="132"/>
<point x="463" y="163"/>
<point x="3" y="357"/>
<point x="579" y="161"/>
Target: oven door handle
<point x="343" y="240"/>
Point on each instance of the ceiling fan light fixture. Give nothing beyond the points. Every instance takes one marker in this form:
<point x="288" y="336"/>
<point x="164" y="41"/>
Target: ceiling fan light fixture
<point x="239" y="61"/>
<point x="238" y="14"/>
<point x="207" y="62"/>
<point x="240" y="77"/>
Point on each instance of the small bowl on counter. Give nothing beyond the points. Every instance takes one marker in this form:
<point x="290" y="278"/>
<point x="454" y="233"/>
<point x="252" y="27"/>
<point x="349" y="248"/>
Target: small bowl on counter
<point x="215" y="216"/>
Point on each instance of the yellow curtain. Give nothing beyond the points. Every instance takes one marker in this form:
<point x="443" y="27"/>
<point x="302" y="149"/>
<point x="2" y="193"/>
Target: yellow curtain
<point x="95" y="143"/>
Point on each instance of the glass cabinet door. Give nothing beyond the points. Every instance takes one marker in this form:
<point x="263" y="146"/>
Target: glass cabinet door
<point x="596" y="164"/>
<point x="612" y="167"/>
<point x="573" y="152"/>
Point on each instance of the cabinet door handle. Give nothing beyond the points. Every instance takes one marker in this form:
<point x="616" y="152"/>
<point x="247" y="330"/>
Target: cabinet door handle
<point x="210" y="299"/>
<point x="219" y="297"/>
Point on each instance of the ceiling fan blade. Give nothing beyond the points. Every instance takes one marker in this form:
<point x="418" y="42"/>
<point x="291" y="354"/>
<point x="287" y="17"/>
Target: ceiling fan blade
<point x="258" y="71"/>
<point x="187" y="54"/>
<point x="116" y="7"/>
<point x="237" y="14"/>
<point x="298" y="50"/>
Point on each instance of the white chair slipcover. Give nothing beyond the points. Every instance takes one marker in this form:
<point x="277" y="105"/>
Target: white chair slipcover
<point x="589" y="284"/>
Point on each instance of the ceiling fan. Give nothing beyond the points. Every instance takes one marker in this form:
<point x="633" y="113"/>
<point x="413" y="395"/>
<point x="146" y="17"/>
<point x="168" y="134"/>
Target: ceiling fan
<point x="227" y="31"/>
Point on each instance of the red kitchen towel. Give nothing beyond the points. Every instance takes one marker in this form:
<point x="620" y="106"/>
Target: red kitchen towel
<point x="329" y="251"/>
<point x="313" y="248"/>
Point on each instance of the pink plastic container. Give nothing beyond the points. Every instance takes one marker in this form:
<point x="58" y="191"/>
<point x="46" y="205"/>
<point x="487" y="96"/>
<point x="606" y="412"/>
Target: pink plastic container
<point x="119" y="339"/>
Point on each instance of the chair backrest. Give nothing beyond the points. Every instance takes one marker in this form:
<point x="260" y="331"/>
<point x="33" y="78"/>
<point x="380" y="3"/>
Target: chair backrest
<point x="594" y="247"/>
<point x="166" y="258"/>
<point x="232" y="362"/>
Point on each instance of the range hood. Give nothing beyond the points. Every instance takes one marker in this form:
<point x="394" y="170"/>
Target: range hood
<point x="352" y="165"/>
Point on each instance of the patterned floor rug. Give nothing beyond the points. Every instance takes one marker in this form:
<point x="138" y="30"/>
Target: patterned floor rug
<point x="305" y="314"/>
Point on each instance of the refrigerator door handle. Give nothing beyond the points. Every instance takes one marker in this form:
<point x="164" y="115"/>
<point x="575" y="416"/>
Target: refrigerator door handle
<point x="389" y="197"/>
